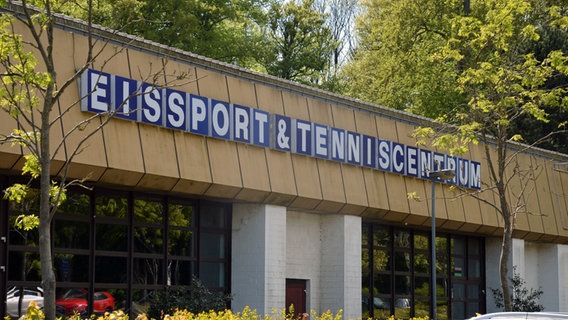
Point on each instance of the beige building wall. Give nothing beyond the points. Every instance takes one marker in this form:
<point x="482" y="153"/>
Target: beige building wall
<point x="150" y="157"/>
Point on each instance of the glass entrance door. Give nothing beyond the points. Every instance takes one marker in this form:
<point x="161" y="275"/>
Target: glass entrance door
<point x="466" y="274"/>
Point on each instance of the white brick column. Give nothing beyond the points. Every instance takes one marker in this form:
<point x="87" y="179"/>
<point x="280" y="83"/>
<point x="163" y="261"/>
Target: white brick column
<point x="553" y="276"/>
<point x="492" y="279"/>
<point x="341" y="265"/>
<point x="258" y="267"/>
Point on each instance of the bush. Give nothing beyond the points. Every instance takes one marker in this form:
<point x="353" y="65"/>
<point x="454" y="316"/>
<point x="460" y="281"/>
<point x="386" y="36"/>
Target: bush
<point x="196" y="299"/>
<point x="34" y="313"/>
<point x="522" y="299"/>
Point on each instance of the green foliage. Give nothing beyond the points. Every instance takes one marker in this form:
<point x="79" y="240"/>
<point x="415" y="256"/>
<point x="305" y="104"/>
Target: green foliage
<point x="465" y="64"/>
<point x="501" y="82"/>
<point x="301" y="45"/>
<point x="394" y="64"/>
<point x="195" y="299"/>
<point x="522" y="298"/>
<point x="27" y="222"/>
<point x="228" y="31"/>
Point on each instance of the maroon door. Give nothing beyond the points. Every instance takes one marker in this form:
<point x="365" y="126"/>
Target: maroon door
<point x="296" y="295"/>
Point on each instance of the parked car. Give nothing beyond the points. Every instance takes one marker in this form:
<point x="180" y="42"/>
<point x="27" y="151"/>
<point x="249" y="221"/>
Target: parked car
<point x="402" y="303"/>
<point x="523" y="315"/>
<point x="377" y="303"/>
<point x="75" y="301"/>
<point x="27" y="295"/>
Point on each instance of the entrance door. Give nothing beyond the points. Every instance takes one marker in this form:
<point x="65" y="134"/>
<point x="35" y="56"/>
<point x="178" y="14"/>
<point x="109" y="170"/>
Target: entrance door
<point x="296" y="295"/>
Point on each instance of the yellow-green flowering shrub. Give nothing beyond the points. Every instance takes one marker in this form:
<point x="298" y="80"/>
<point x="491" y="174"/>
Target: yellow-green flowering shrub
<point x="35" y="313"/>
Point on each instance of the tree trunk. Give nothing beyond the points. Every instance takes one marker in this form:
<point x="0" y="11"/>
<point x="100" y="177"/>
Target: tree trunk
<point x="45" y="253"/>
<point x="504" y="267"/>
<point x="506" y="248"/>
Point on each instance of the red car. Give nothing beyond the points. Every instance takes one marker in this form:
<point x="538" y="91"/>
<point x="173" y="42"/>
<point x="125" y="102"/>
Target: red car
<point x="75" y="301"/>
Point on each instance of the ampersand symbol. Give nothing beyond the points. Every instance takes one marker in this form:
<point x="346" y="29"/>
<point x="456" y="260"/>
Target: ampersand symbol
<point x="283" y="141"/>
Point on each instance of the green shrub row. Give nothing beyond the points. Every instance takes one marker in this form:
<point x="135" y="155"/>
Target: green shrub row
<point x="35" y="313"/>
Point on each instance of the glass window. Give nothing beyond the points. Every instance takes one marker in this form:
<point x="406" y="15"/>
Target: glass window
<point x="402" y="261"/>
<point x="402" y="285"/>
<point x="421" y="242"/>
<point x="111" y="237"/>
<point x="402" y="239"/>
<point x="458" y="246"/>
<point x="111" y="206"/>
<point x="148" y="240"/>
<point x="473" y="247"/>
<point x="381" y="237"/>
<point x="148" y="271"/>
<point x="422" y="286"/>
<point x="180" y="243"/>
<point x="381" y="260"/>
<point x="24" y="266"/>
<point x="110" y="269"/>
<point x="180" y="272"/>
<point x="71" y="234"/>
<point x="180" y="215"/>
<point x="72" y="267"/>
<point x="474" y="268"/>
<point x="212" y="245"/>
<point x="406" y="286"/>
<point x="422" y="263"/>
<point x="77" y="204"/>
<point x="148" y="212"/>
<point x="458" y="269"/>
<point x="117" y="240"/>
<point x="212" y="274"/>
<point x="213" y="216"/>
<point x="383" y="283"/>
<point x="16" y="236"/>
<point x="364" y="236"/>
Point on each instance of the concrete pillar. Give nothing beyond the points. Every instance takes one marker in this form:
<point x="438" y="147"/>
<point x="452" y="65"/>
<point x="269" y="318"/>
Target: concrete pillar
<point x="553" y="276"/>
<point x="341" y="265"/>
<point x="492" y="280"/>
<point x="258" y="276"/>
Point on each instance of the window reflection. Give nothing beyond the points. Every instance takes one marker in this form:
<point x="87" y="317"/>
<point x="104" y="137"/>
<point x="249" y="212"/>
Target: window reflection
<point x="71" y="234"/>
<point x="111" y="237"/>
<point x="71" y="267"/>
<point x="148" y="211"/>
<point x="148" y="271"/>
<point x="404" y="288"/>
<point x="110" y="269"/>
<point x="212" y="245"/>
<point x="24" y="266"/>
<point x="110" y="206"/>
<point x="114" y="240"/>
<point x="180" y="272"/>
<point x="212" y="274"/>
<point x="213" y="216"/>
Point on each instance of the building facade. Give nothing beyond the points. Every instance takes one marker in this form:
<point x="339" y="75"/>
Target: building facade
<point x="271" y="191"/>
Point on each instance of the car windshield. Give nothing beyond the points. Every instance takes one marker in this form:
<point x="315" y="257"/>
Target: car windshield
<point x="75" y="293"/>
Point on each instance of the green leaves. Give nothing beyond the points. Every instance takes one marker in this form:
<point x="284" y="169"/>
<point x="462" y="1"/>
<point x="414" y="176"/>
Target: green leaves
<point x="17" y="192"/>
<point x="301" y="43"/>
<point x="27" y="222"/>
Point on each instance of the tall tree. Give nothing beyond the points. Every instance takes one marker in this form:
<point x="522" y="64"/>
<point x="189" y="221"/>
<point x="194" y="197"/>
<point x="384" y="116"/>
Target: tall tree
<point x="229" y="31"/>
<point x="487" y="67"/>
<point x="340" y="20"/>
<point x="502" y="83"/>
<point x="393" y="64"/>
<point x="300" y="43"/>
<point x="32" y="89"/>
